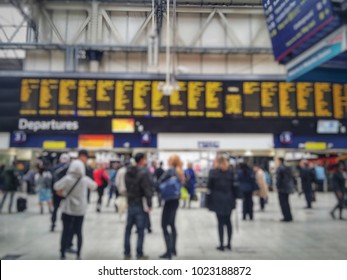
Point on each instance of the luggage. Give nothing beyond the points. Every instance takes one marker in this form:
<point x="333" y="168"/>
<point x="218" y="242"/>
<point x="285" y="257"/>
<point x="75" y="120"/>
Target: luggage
<point x="21" y="204"/>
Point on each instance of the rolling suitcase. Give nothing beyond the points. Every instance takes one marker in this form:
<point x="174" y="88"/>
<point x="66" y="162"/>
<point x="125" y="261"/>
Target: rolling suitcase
<point x="21" y="204"/>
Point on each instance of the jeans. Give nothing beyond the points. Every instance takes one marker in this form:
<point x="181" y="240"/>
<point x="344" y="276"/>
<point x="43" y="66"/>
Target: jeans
<point x="285" y="206"/>
<point x="137" y="217"/>
<point x="248" y="205"/>
<point x="4" y="199"/>
<point x="168" y="220"/>
<point x="71" y="225"/>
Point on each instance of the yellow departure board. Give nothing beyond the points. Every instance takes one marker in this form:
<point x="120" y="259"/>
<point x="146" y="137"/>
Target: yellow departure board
<point x="160" y="102"/>
<point x="305" y="99"/>
<point x="323" y="100"/>
<point x="124" y="98"/>
<point x="233" y="99"/>
<point x="340" y="101"/>
<point x="142" y="98"/>
<point x="29" y="96"/>
<point x="105" y="92"/>
<point x="86" y="98"/>
<point x="48" y="102"/>
<point x="67" y="97"/>
<point x="287" y="99"/>
<point x="178" y="101"/>
<point x="251" y="99"/>
<point x="196" y="102"/>
<point x="269" y="99"/>
<point x="214" y="99"/>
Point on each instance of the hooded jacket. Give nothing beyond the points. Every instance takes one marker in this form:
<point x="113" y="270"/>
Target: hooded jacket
<point x="75" y="204"/>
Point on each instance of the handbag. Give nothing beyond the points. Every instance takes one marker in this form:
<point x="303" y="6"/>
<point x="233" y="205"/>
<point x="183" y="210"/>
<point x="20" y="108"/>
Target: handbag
<point x="170" y="189"/>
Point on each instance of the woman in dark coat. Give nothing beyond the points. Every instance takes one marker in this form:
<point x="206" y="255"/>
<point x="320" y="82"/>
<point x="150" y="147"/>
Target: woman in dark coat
<point x="339" y="182"/>
<point x="307" y="178"/>
<point x="222" y="198"/>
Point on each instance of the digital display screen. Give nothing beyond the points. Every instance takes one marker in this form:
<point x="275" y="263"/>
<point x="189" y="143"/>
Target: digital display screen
<point x="328" y="127"/>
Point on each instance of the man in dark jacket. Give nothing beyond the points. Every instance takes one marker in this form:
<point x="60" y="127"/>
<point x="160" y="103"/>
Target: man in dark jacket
<point x="11" y="184"/>
<point x="139" y="188"/>
<point x="307" y="178"/>
<point x="285" y="186"/>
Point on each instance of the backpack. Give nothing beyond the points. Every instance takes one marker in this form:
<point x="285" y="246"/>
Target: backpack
<point x="170" y="189"/>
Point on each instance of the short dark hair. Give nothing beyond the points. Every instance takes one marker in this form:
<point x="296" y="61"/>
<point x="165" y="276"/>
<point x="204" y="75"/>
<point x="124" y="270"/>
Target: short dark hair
<point x="138" y="157"/>
<point x="83" y="153"/>
<point x="281" y="159"/>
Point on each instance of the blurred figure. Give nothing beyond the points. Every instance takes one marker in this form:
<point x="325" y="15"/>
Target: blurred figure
<point x="285" y="186"/>
<point x="43" y="183"/>
<point x="89" y="173"/>
<point x="263" y="192"/>
<point x="157" y="174"/>
<point x="190" y="182"/>
<point x="223" y="198"/>
<point x="121" y="200"/>
<point x="112" y="183"/>
<point x="170" y="207"/>
<point x="73" y="188"/>
<point x="10" y="186"/>
<point x="101" y="178"/>
<point x="153" y="167"/>
<point x="139" y="187"/>
<point x="2" y="170"/>
<point x="339" y="183"/>
<point x="320" y="176"/>
<point x="59" y="171"/>
<point x="307" y="178"/>
<point x="247" y="185"/>
<point x="29" y="179"/>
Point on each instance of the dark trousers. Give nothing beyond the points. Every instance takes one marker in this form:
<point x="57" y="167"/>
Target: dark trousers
<point x="308" y="196"/>
<point x="148" y="222"/>
<point x="168" y="221"/>
<point x="137" y="217"/>
<point x="262" y="201"/>
<point x="285" y="206"/>
<point x="339" y="205"/>
<point x="4" y="199"/>
<point x="100" y="195"/>
<point x="71" y="225"/>
<point x="224" y="220"/>
<point x="56" y="203"/>
<point x="248" y="205"/>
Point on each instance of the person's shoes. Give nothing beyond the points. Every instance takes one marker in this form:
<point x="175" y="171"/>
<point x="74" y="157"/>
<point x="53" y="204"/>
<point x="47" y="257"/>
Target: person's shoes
<point x="149" y="230"/>
<point x="127" y="257"/>
<point x="98" y="210"/>
<point x="228" y="247"/>
<point x="332" y="214"/>
<point x="220" y="248"/>
<point x="165" y="256"/>
<point x="286" y="220"/>
<point x="62" y="257"/>
<point x="78" y="258"/>
<point x="308" y="207"/>
<point x="71" y="250"/>
<point x="116" y="208"/>
<point x="143" y="257"/>
<point x="342" y="218"/>
<point x="174" y="252"/>
<point x="52" y="228"/>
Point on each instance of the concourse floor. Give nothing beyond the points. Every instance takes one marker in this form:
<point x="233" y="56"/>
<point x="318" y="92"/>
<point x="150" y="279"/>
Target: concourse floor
<point x="312" y="235"/>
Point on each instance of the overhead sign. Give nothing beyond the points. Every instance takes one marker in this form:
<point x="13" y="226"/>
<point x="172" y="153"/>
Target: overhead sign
<point x="47" y="125"/>
<point x="95" y="141"/>
<point x="316" y="146"/>
<point x="123" y="125"/>
<point x="51" y="145"/>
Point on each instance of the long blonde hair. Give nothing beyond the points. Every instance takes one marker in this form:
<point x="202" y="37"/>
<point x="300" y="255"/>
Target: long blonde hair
<point x="176" y="162"/>
<point x="221" y="163"/>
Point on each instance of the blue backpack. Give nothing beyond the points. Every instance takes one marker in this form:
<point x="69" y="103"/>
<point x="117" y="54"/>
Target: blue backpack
<point x="170" y="189"/>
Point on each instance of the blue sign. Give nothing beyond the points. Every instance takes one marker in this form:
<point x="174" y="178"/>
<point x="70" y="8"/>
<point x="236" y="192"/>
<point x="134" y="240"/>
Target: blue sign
<point x="293" y="22"/>
<point x="286" y="138"/>
<point x="19" y="137"/>
<point x="208" y="144"/>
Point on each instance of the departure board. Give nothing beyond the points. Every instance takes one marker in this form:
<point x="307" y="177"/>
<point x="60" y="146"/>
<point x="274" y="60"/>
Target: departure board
<point x="196" y="102"/>
<point x="251" y="99"/>
<point x="233" y="99"/>
<point x="29" y="96"/>
<point x="178" y="101"/>
<point x="142" y="98"/>
<point x="323" y="100"/>
<point x="105" y="93"/>
<point x="305" y="99"/>
<point x="48" y="101"/>
<point x="67" y="97"/>
<point x="287" y="99"/>
<point x="86" y="104"/>
<point x="340" y="101"/>
<point x="124" y="98"/>
<point x="214" y="99"/>
<point x="269" y="99"/>
<point x="160" y="102"/>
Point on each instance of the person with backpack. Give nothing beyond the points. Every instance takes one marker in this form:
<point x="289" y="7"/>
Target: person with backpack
<point x="59" y="171"/>
<point x="139" y="188"/>
<point x="101" y="178"/>
<point x="285" y="187"/>
<point x="10" y="186"/>
<point x="170" y="185"/>
<point x="43" y="183"/>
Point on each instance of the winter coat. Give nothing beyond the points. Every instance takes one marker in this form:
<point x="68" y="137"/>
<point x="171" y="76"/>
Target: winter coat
<point x="260" y="179"/>
<point x="11" y="182"/>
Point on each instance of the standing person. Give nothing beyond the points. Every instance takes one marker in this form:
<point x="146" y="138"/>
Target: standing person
<point x="139" y="187"/>
<point x="2" y="169"/>
<point x="247" y="186"/>
<point x="10" y="186"/>
<point x="43" y="183"/>
<point x="101" y="178"/>
<point x="307" y="178"/>
<point x="339" y="183"/>
<point x="59" y="171"/>
<point x="89" y="173"/>
<point x="320" y="176"/>
<point x="73" y="187"/>
<point x="190" y="182"/>
<point x="121" y="200"/>
<point x="157" y="174"/>
<point x="112" y="182"/>
<point x="260" y="179"/>
<point x="222" y="198"/>
<point x="285" y="186"/>
<point x="171" y="206"/>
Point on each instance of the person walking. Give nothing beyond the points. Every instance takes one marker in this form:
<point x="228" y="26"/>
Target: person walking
<point x="320" y="176"/>
<point x="10" y="186"/>
<point x="190" y="182"/>
<point x="223" y="195"/>
<point x="157" y="174"/>
<point x="175" y="174"/>
<point x="307" y="178"/>
<point x="43" y="183"/>
<point x="285" y="186"/>
<point x="139" y="187"/>
<point x="339" y="185"/>
<point x="73" y="188"/>
<point x="263" y="192"/>
<point x="101" y="178"/>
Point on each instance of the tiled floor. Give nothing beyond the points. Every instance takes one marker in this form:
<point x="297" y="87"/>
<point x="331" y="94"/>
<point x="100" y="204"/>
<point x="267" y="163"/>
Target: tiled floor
<point x="313" y="234"/>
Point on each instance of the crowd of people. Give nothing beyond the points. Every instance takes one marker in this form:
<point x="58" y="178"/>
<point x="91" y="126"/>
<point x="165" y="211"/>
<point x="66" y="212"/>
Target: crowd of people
<point x="132" y="183"/>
